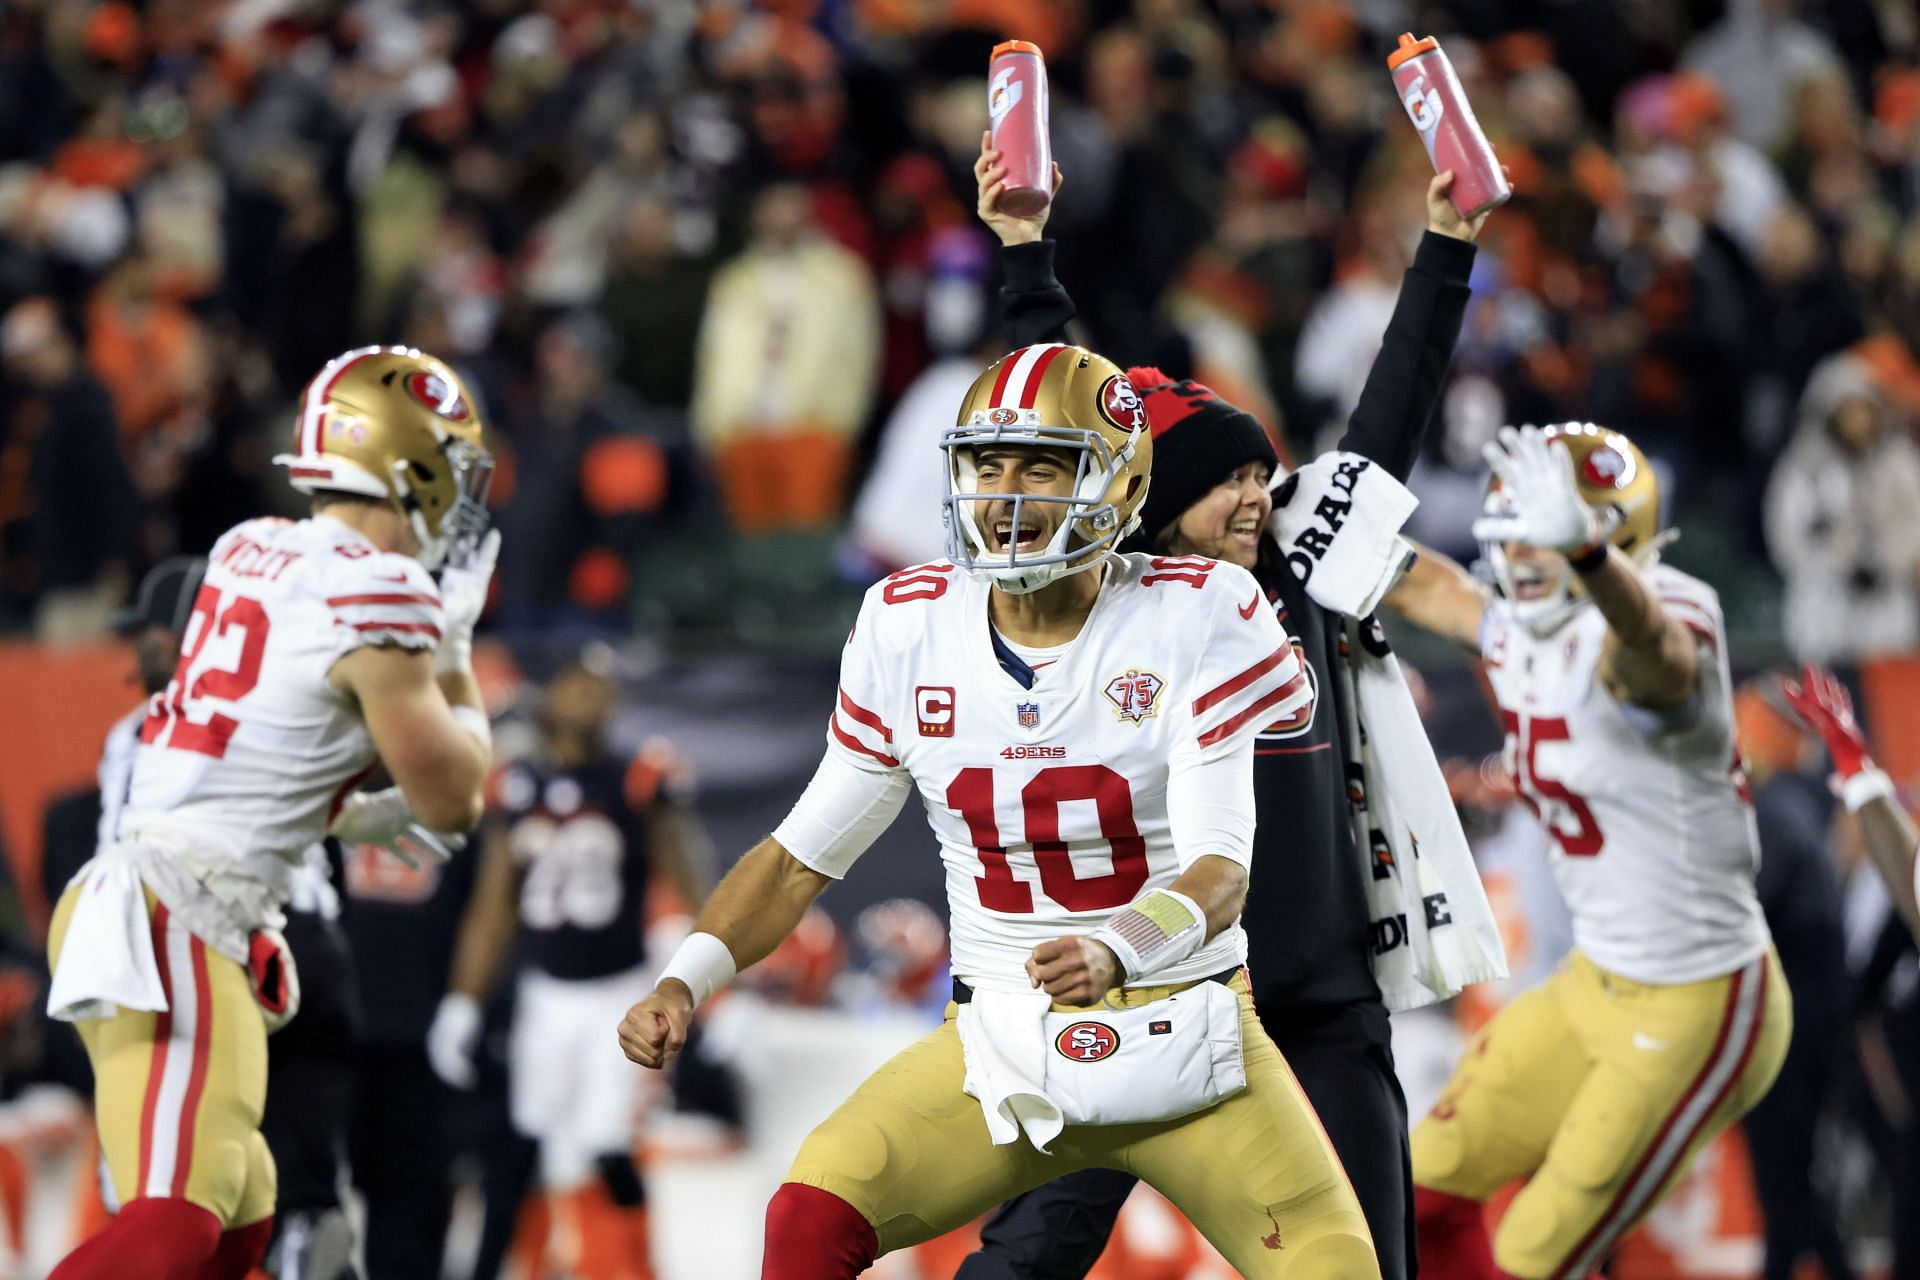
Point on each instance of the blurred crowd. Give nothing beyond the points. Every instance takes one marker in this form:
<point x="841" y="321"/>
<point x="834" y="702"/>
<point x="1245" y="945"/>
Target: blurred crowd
<point x="692" y="256"/>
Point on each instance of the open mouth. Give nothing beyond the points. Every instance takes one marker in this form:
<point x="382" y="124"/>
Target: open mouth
<point x="1003" y="535"/>
<point x="1245" y="532"/>
<point x="1532" y="582"/>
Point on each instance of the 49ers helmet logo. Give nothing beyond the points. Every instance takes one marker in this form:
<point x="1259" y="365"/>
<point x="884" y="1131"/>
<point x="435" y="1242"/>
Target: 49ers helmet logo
<point x="1087" y="1041"/>
<point x="437" y="394"/>
<point x="1607" y="468"/>
<point x="1120" y="404"/>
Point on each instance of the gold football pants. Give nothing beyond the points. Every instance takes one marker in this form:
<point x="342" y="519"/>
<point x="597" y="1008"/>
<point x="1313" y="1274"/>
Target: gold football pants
<point x="1599" y="1090"/>
<point x="178" y="1095"/>
<point x="1254" y="1173"/>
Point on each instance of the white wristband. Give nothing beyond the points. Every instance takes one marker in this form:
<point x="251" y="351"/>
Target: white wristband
<point x="1154" y="932"/>
<point x="703" y="963"/>
<point x="452" y="654"/>
<point x="1864" y="787"/>
<point x="475" y="722"/>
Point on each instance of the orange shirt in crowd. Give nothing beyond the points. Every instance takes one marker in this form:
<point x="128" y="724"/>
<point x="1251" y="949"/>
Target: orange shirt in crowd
<point x="143" y="354"/>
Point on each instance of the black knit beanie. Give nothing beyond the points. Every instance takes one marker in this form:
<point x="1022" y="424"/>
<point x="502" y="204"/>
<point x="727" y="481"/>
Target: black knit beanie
<point x="1198" y="441"/>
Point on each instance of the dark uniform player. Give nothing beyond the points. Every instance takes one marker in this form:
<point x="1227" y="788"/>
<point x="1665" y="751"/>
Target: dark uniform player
<point x="573" y="837"/>
<point x="1306" y="913"/>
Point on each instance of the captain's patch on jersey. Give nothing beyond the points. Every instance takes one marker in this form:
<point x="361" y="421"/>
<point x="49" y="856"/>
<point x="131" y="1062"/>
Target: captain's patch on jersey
<point x="1135" y="694"/>
<point x="1087" y="1041"/>
<point x="933" y="707"/>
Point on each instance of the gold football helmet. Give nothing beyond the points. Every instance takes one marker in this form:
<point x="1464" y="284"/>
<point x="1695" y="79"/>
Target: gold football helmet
<point x="396" y="423"/>
<point x="1613" y="477"/>
<point x="1065" y="398"/>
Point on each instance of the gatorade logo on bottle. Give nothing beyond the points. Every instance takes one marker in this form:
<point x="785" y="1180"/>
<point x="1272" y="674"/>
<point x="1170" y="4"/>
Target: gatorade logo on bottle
<point x="1423" y="105"/>
<point x="1005" y="94"/>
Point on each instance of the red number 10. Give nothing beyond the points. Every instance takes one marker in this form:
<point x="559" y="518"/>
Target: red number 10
<point x="168" y="717"/>
<point x="971" y="796"/>
<point x="1528" y="732"/>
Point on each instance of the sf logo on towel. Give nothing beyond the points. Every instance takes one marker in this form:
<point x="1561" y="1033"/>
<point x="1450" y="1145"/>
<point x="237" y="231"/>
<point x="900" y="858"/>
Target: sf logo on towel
<point x="1087" y="1041"/>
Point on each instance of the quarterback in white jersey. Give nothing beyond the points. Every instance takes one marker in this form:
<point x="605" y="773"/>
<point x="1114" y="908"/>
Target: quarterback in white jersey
<point x="1079" y="725"/>
<point x="1671" y="1018"/>
<point x="314" y="649"/>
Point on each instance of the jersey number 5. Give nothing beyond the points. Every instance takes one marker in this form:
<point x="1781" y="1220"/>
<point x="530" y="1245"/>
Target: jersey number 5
<point x="1527" y="733"/>
<point x="971" y="796"/>
<point x="168" y="722"/>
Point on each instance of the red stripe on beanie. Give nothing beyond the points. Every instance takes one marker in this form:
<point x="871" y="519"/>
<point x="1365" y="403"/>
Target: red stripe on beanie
<point x="1170" y="403"/>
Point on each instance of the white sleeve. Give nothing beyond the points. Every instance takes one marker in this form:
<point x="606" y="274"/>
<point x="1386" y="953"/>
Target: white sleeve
<point x="382" y="599"/>
<point x="857" y="732"/>
<point x="842" y="811"/>
<point x="1249" y="675"/>
<point x="1210" y="804"/>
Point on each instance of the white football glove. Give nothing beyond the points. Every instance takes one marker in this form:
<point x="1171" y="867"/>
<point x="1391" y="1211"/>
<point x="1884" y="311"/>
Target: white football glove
<point x="385" y="819"/>
<point x="452" y="1038"/>
<point x="463" y="594"/>
<point x="1544" y="507"/>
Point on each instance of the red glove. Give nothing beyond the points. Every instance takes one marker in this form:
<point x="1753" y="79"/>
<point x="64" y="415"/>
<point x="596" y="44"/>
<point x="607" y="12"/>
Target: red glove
<point x="1822" y="703"/>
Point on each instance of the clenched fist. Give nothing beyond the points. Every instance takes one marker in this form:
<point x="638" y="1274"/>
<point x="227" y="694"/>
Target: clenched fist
<point x="1076" y="970"/>
<point x="655" y="1030"/>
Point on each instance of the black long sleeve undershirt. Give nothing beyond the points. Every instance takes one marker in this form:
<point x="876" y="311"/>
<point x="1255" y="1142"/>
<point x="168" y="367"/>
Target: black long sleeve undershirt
<point x="1403" y="387"/>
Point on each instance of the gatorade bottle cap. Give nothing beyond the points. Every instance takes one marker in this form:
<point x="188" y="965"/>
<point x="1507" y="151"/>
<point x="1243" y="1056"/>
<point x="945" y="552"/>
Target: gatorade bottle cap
<point x="1013" y="46"/>
<point x="1409" y="48"/>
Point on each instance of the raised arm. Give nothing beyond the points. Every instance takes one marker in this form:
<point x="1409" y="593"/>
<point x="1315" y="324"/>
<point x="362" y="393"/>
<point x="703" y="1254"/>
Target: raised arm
<point x="1437" y="594"/>
<point x="1651" y="659"/>
<point x="1403" y="387"/>
<point x="1892" y="843"/>
<point x="1034" y="306"/>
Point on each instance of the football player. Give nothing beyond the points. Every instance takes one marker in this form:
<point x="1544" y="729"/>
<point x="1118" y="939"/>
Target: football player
<point x="574" y="835"/>
<point x="1079" y="725"/>
<point x="309" y="1086"/>
<point x="1671" y="1017"/>
<point x="1309" y="942"/>
<point x="312" y="648"/>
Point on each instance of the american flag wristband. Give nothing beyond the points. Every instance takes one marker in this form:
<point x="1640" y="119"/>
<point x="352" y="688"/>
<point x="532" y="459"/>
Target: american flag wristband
<point x="1154" y="932"/>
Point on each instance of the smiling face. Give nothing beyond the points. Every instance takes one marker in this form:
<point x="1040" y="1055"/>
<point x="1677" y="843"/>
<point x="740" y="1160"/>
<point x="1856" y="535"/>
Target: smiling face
<point x="1225" y="524"/>
<point x="1013" y="470"/>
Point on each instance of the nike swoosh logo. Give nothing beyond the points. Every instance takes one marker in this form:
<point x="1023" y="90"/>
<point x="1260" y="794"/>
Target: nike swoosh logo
<point x="1641" y="1040"/>
<point x="1246" y="610"/>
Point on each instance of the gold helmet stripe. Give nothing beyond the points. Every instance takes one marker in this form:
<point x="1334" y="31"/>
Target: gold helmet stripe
<point x="1018" y="386"/>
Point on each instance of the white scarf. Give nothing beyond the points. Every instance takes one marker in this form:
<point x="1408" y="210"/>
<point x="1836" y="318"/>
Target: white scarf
<point x="1337" y="521"/>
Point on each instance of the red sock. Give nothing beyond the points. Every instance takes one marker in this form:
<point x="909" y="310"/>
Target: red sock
<point x="1453" y="1237"/>
<point x="241" y="1250"/>
<point x="153" y="1238"/>
<point x="815" y="1235"/>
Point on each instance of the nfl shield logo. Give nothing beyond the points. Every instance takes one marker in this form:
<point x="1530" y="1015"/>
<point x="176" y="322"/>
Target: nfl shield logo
<point x="1029" y="714"/>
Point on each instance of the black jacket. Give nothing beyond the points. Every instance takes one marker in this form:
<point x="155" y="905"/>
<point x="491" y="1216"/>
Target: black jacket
<point x="1306" y="915"/>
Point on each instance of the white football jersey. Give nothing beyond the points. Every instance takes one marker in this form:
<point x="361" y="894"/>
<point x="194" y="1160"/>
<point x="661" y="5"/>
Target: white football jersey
<point x="1050" y="803"/>
<point x="1652" y="833"/>
<point x="248" y="751"/>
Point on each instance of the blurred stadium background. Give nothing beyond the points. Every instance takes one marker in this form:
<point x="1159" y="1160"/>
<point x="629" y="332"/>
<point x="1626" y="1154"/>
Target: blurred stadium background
<point x="713" y="269"/>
